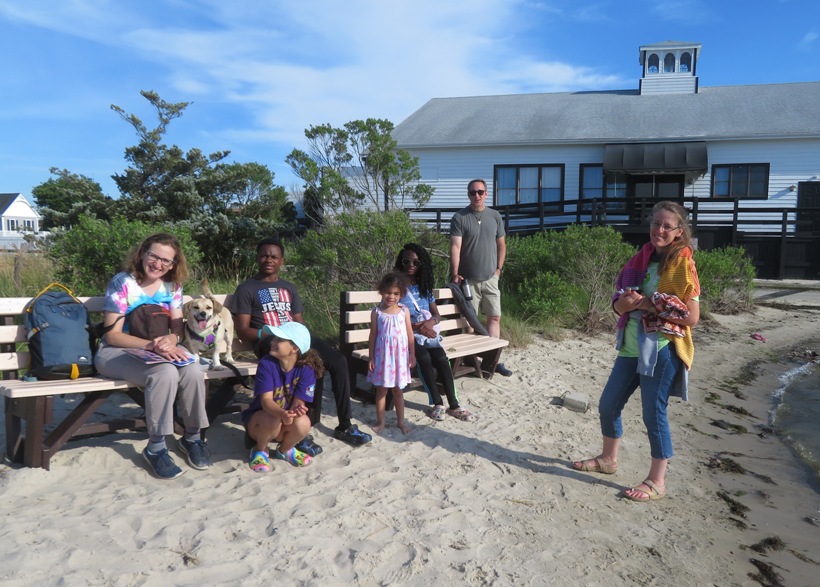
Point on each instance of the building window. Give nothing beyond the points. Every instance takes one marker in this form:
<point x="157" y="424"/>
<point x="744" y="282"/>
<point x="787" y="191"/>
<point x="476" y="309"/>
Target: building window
<point x="740" y="181"/>
<point x="592" y="182"/>
<point x="11" y="224"/>
<point x="669" y="63"/>
<point x="529" y="184"/>
<point x="686" y="62"/>
<point x="654" y="63"/>
<point x="604" y="187"/>
<point x="28" y="224"/>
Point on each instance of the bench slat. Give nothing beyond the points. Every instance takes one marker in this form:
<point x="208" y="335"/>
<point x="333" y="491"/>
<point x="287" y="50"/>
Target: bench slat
<point x="16" y="388"/>
<point x="459" y="345"/>
<point x="363" y="334"/>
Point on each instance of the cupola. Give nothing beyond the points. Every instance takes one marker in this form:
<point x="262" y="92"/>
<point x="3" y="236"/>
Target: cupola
<point x="669" y="68"/>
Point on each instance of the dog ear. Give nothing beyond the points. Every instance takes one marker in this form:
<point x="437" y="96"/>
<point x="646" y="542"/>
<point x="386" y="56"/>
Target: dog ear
<point x="187" y="307"/>
<point x="217" y="306"/>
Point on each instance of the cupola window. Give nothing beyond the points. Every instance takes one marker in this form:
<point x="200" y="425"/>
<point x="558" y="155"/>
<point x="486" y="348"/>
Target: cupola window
<point x="669" y="63"/>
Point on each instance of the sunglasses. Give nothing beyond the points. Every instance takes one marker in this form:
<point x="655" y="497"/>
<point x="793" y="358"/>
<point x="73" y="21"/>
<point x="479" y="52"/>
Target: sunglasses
<point x="157" y="259"/>
<point x="477" y="192"/>
<point x="409" y="262"/>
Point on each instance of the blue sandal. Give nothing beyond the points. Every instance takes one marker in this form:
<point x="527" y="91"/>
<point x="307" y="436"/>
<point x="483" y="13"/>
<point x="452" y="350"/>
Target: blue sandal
<point x="307" y="446"/>
<point x="295" y="457"/>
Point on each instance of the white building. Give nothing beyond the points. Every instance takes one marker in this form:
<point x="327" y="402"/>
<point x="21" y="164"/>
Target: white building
<point x="18" y="217"/>
<point x="546" y="157"/>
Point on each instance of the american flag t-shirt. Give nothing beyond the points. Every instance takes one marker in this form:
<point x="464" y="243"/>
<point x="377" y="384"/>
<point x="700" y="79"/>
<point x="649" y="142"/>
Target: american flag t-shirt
<point x="276" y="305"/>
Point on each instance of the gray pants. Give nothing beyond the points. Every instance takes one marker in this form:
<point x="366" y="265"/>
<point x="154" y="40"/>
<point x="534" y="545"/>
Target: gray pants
<point x="163" y="383"/>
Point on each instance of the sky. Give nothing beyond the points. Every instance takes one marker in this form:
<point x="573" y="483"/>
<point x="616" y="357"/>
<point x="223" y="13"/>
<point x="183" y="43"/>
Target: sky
<point x="257" y="73"/>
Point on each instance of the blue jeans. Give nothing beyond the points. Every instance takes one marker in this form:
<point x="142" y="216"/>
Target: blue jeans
<point x="623" y="381"/>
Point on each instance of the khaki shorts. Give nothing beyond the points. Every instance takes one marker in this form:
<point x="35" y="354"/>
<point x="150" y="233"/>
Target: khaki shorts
<point x="486" y="296"/>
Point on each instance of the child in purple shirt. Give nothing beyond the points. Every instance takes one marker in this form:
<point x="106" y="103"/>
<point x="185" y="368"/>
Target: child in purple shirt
<point x="285" y="382"/>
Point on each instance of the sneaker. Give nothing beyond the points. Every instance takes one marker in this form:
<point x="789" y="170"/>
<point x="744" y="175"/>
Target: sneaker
<point x="306" y="445"/>
<point x="197" y="453"/>
<point x="162" y="465"/>
<point x="352" y="435"/>
<point x="260" y="462"/>
<point x="502" y="370"/>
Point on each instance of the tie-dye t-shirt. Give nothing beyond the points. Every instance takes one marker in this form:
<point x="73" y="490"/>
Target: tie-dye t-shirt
<point x="124" y="294"/>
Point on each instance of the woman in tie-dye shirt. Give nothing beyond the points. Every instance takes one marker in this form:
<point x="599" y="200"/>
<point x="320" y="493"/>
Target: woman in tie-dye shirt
<point x="154" y="273"/>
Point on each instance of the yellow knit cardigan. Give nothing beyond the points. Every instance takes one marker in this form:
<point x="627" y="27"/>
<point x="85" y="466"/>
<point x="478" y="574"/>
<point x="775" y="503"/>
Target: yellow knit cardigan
<point x="681" y="278"/>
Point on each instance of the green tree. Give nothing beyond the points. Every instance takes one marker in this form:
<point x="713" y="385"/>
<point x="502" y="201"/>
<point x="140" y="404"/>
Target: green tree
<point x="359" y="164"/>
<point x="225" y="206"/>
<point x="162" y="183"/>
<point x="63" y="199"/>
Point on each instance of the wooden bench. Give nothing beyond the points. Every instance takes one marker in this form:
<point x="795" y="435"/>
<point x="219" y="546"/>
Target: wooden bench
<point x="469" y="353"/>
<point x="29" y="405"/>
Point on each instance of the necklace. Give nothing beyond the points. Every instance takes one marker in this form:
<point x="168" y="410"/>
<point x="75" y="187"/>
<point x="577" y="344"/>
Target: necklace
<point x="478" y="218"/>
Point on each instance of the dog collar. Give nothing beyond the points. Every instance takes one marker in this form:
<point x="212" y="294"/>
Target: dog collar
<point x="208" y="338"/>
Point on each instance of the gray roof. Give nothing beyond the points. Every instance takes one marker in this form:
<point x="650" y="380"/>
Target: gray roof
<point x="724" y="112"/>
<point x="6" y="200"/>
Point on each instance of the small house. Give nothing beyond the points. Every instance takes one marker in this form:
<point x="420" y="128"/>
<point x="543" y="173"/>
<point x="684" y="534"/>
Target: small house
<point x="18" y="217"/>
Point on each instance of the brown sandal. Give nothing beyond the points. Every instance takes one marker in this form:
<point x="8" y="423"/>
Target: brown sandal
<point x="652" y="494"/>
<point x="595" y="465"/>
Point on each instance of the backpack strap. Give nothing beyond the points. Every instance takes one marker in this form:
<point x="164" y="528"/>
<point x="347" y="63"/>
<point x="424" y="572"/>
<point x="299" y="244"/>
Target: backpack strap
<point x="48" y="287"/>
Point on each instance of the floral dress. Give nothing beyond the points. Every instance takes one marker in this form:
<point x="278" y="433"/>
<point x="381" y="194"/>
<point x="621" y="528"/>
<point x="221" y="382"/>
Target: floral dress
<point x="392" y="352"/>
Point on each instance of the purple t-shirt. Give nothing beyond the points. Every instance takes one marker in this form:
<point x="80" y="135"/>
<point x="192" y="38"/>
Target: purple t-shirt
<point x="299" y="382"/>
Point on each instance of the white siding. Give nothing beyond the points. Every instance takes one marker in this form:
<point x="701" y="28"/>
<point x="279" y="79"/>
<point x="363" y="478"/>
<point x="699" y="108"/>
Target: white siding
<point x="449" y="170"/>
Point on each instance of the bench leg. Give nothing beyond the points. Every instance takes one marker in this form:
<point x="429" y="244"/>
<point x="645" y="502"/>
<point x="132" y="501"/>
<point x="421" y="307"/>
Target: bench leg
<point x="36" y="412"/>
<point x="14" y="430"/>
<point x="489" y="361"/>
<point x="218" y="399"/>
<point x="66" y="429"/>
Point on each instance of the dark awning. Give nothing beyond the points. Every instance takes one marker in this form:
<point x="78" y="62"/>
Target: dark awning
<point x="656" y="158"/>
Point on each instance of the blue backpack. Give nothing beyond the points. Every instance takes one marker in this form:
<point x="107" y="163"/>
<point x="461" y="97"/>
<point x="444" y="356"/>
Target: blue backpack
<point x="60" y="336"/>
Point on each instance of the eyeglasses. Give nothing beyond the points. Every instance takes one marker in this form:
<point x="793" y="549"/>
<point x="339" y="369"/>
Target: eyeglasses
<point x="409" y="262"/>
<point x="664" y="227"/>
<point x="157" y="259"/>
<point x="477" y="192"/>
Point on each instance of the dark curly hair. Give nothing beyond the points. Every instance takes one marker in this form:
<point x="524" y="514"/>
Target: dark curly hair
<point x="393" y="279"/>
<point x="424" y="276"/>
<point x="312" y="360"/>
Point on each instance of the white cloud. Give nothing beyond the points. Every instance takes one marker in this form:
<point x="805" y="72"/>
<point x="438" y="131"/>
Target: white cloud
<point x="808" y="40"/>
<point x="287" y="65"/>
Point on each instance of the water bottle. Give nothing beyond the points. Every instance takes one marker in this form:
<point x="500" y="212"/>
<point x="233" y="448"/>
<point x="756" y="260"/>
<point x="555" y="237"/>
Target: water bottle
<point x="466" y="291"/>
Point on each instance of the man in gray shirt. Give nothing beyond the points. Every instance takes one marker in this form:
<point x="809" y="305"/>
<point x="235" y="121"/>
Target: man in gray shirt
<point x="477" y="252"/>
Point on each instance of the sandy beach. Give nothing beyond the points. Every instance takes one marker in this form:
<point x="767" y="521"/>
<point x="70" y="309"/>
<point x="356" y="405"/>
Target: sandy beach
<point x="486" y="503"/>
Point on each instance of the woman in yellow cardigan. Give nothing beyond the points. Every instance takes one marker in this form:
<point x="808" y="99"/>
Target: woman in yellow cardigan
<point x="657" y="301"/>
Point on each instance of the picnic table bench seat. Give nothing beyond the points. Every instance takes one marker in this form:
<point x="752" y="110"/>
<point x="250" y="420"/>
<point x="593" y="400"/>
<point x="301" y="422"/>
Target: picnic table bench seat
<point x="470" y="353"/>
<point x="32" y="435"/>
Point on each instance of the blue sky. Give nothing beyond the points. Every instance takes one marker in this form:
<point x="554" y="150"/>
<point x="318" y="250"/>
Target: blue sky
<point x="259" y="72"/>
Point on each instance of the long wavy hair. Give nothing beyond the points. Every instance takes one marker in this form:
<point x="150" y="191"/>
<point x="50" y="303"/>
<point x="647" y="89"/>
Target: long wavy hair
<point x="312" y="360"/>
<point x="424" y="275"/>
<point x="178" y="273"/>
<point x="683" y="240"/>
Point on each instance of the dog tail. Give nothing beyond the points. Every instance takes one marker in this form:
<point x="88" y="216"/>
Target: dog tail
<point x="206" y="288"/>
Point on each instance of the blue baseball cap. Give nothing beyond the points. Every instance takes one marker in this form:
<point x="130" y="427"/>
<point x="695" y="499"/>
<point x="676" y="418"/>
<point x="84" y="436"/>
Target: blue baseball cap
<point x="296" y="332"/>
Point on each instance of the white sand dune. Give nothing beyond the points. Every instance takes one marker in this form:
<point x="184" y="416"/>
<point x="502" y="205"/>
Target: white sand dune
<point x="486" y="503"/>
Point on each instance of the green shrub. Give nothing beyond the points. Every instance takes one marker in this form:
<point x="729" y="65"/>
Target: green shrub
<point x="583" y="262"/>
<point x="87" y="256"/>
<point x="352" y="251"/>
<point x="726" y="280"/>
<point x="547" y="297"/>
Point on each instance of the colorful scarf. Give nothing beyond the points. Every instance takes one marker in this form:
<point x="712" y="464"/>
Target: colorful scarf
<point x="679" y="278"/>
